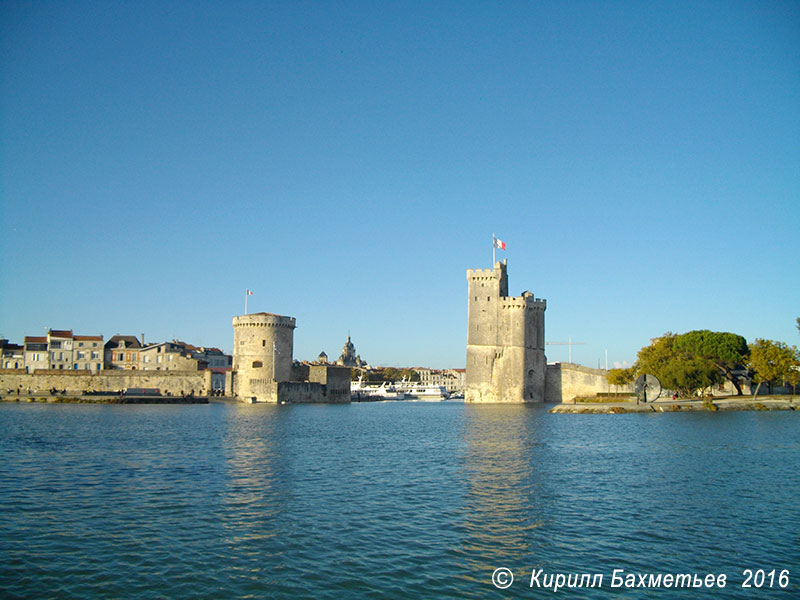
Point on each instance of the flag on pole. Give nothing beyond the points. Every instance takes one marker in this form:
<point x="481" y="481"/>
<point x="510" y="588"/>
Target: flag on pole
<point x="499" y="243"/>
<point x="249" y="293"/>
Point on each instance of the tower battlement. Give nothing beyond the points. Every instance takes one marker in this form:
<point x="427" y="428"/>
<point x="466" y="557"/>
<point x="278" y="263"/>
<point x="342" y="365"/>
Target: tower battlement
<point x="481" y="274"/>
<point x="264" y="319"/>
<point x="497" y="272"/>
<point x="523" y="302"/>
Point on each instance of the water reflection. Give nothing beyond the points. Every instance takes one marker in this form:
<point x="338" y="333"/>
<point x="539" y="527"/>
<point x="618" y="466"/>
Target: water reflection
<point x="504" y="489"/>
<point x="395" y="500"/>
<point x="252" y="456"/>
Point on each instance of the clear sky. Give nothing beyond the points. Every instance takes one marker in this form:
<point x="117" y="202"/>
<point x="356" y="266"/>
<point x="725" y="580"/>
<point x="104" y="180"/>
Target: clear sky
<point x="348" y="161"/>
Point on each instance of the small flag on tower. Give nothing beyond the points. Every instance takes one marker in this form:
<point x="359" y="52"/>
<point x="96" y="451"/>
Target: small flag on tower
<point x="499" y="243"/>
<point x="249" y="293"/>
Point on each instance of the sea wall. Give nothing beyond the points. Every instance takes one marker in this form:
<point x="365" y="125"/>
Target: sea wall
<point x="565" y="381"/>
<point x="76" y="382"/>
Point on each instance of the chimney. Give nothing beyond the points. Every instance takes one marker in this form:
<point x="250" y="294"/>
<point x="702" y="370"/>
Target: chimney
<point x="142" y="340"/>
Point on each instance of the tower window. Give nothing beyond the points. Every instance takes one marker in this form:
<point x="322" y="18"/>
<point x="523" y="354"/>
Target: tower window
<point x="263" y="343"/>
<point x="257" y="364"/>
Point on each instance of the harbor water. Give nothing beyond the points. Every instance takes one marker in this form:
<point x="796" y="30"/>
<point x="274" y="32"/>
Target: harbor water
<point x="391" y="500"/>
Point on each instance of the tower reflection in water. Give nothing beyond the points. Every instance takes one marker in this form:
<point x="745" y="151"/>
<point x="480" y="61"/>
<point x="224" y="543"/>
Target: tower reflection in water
<point x="252" y="500"/>
<point x="502" y="506"/>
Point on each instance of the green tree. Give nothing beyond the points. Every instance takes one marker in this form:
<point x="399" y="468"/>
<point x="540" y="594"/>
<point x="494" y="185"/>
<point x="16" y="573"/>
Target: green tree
<point x="620" y="377"/>
<point x="673" y="368"/>
<point x="774" y="362"/>
<point x="388" y="374"/>
<point x="725" y="351"/>
<point x="655" y="357"/>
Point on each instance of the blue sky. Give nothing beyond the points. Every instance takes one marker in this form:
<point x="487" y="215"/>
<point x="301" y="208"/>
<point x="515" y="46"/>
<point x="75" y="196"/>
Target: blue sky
<point x="349" y="161"/>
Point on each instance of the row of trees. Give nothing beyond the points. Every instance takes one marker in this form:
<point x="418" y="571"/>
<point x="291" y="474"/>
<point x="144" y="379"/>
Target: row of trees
<point x="694" y="361"/>
<point x="387" y="374"/>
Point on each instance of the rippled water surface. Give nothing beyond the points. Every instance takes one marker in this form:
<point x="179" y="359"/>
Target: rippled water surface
<point x="389" y="500"/>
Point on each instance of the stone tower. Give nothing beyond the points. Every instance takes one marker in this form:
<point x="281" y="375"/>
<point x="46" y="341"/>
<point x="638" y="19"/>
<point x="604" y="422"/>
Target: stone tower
<point x="262" y="353"/>
<point x="505" y="340"/>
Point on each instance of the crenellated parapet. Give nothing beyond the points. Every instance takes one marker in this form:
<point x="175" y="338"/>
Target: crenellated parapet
<point x="523" y="302"/>
<point x="482" y="274"/>
<point x="264" y="319"/>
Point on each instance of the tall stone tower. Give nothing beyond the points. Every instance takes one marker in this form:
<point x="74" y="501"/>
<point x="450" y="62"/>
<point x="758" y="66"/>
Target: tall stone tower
<point x="262" y="354"/>
<point x="505" y="340"/>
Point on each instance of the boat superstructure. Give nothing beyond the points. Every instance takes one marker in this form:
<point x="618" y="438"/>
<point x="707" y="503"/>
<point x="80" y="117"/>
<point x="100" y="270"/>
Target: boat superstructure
<point x="360" y="391"/>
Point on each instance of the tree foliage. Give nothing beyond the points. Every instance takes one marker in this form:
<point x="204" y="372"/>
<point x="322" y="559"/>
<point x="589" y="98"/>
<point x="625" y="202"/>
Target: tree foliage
<point x="725" y="351"/>
<point x="675" y="367"/>
<point x="620" y="377"/>
<point x="774" y="362"/>
<point x="387" y="374"/>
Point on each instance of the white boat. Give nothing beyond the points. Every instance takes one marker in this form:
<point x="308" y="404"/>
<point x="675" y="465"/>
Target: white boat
<point x="415" y="390"/>
<point x="364" y="391"/>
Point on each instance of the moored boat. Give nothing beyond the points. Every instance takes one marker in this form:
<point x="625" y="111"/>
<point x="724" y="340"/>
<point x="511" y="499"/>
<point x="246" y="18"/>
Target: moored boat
<point x="360" y="391"/>
<point x="422" y="391"/>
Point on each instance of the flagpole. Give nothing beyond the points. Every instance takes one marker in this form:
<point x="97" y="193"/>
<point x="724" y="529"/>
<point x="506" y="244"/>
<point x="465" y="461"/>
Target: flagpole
<point x="246" y="294"/>
<point x="493" y="247"/>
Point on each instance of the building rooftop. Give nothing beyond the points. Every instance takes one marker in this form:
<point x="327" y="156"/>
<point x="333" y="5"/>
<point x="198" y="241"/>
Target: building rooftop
<point x="60" y="333"/>
<point x="131" y="341"/>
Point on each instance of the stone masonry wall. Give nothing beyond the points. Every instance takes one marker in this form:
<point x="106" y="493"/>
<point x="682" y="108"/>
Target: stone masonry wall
<point x="565" y="381"/>
<point x="294" y="392"/>
<point x="173" y="382"/>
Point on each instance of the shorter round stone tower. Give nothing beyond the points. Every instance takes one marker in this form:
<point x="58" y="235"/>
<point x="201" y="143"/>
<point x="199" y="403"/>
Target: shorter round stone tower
<point x="262" y="352"/>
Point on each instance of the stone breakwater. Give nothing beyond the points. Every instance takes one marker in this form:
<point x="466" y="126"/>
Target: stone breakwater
<point x="707" y="405"/>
